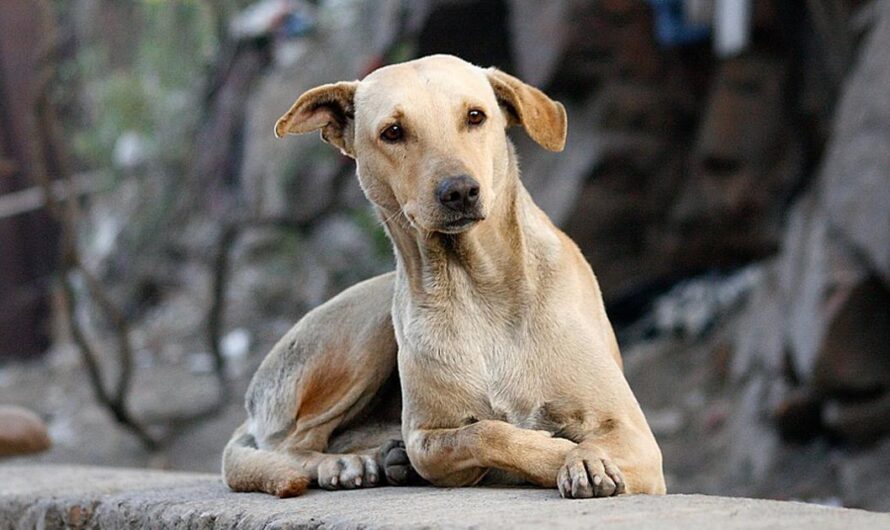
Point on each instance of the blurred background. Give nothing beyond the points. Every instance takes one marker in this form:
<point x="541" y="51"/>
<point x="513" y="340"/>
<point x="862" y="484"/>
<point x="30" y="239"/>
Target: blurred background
<point x="727" y="174"/>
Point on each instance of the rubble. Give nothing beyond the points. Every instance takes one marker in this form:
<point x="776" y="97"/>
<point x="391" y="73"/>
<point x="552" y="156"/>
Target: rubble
<point x="21" y="432"/>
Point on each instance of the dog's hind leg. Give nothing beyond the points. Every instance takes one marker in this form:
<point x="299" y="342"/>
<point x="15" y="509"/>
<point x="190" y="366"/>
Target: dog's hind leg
<point x="332" y="374"/>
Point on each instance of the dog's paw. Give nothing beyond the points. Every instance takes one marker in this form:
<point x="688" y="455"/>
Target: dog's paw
<point x="396" y="465"/>
<point x="348" y="472"/>
<point x="587" y="475"/>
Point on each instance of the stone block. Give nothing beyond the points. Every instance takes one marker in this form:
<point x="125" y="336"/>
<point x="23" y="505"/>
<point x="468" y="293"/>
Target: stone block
<point x="88" y="497"/>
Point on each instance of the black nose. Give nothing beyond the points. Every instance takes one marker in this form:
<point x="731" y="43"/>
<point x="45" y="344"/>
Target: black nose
<point x="458" y="193"/>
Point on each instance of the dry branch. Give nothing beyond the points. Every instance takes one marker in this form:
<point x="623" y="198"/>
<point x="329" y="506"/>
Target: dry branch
<point x="66" y="213"/>
<point x="33" y="199"/>
<point x="60" y="198"/>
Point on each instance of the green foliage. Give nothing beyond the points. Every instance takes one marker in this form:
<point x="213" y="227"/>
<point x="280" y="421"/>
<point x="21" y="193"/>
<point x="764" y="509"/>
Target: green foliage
<point x="122" y="104"/>
<point x="372" y="226"/>
<point x="157" y="92"/>
<point x="178" y="43"/>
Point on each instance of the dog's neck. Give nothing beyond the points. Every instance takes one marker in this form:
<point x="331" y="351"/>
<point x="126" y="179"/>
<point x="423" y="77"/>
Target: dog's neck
<point x="497" y="257"/>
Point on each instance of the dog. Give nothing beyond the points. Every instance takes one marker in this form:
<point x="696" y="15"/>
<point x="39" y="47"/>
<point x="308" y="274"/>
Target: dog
<point x="487" y="356"/>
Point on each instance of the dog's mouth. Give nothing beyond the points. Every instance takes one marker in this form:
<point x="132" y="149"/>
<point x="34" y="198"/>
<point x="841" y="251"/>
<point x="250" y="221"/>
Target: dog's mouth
<point x="462" y="224"/>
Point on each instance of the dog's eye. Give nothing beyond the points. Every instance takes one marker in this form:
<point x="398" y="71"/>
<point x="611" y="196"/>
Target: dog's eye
<point x="475" y="117"/>
<point x="392" y="134"/>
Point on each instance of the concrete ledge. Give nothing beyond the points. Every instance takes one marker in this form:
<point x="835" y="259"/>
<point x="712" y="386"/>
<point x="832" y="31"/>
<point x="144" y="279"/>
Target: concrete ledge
<point x="93" y="497"/>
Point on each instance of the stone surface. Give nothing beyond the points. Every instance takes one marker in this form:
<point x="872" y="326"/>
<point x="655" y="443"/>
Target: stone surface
<point x="854" y="178"/>
<point x="744" y="167"/>
<point x="85" y="497"/>
<point x="829" y="303"/>
<point x="857" y="473"/>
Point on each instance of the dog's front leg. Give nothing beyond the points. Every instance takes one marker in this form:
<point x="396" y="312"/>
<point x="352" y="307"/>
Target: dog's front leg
<point x="461" y="456"/>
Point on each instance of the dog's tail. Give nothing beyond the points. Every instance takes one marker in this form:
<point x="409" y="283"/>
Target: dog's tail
<point x="245" y="468"/>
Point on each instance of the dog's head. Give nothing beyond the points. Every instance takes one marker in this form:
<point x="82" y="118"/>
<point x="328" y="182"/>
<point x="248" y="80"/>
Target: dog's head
<point x="428" y="136"/>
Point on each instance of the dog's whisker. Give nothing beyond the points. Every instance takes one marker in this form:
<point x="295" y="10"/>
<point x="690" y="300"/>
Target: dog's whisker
<point x="391" y="217"/>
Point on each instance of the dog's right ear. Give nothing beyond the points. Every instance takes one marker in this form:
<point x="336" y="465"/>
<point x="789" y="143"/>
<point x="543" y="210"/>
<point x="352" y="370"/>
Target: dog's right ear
<point x="329" y="108"/>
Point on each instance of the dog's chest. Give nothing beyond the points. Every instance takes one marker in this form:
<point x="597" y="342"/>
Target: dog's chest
<point x="473" y="362"/>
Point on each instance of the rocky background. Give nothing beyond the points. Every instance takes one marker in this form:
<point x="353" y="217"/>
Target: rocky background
<point x="735" y="207"/>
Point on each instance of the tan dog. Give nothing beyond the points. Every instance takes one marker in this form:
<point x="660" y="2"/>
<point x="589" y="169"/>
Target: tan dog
<point x="509" y="369"/>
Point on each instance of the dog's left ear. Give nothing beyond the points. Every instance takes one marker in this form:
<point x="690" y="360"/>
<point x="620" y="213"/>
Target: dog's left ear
<point x="544" y="119"/>
<point x="329" y="108"/>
